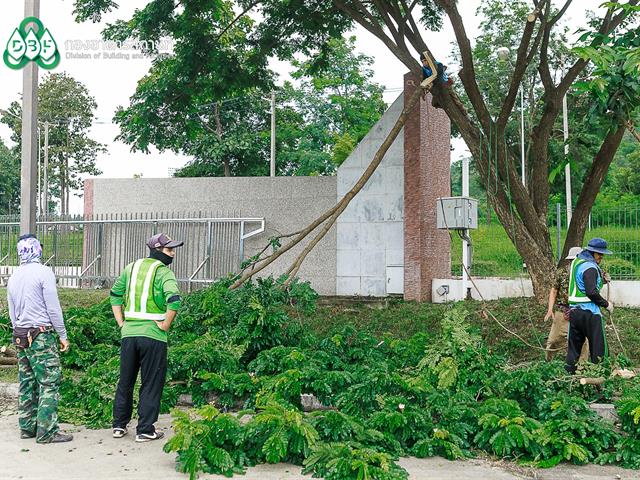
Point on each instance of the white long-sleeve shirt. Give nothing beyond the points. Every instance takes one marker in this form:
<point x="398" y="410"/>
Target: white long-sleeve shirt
<point x="33" y="298"/>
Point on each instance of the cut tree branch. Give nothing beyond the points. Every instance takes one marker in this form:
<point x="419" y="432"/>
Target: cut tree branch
<point x="335" y="211"/>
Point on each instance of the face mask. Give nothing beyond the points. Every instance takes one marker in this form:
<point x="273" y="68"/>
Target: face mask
<point x="163" y="257"/>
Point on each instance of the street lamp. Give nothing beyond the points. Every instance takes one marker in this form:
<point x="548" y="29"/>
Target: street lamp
<point x="503" y="54"/>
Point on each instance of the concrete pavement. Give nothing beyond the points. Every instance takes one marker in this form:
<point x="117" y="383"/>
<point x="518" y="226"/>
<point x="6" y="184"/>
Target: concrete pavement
<point x="95" y="455"/>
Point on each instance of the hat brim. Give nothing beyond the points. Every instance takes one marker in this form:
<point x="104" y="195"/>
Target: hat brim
<point x="174" y="244"/>
<point x="603" y="251"/>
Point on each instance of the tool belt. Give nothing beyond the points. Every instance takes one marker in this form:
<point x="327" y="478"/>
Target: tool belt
<point x="23" y="337"/>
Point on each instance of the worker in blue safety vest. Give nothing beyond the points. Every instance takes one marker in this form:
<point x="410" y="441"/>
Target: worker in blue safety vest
<point x="585" y="317"/>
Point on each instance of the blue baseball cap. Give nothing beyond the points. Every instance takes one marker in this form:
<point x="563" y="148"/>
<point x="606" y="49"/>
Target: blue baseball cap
<point x="598" y="245"/>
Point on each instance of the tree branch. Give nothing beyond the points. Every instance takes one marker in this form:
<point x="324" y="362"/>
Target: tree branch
<point x="467" y="74"/>
<point x="235" y="20"/>
<point x="593" y="181"/>
<point x="632" y="130"/>
<point x="609" y="24"/>
<point x="402" y="55"/>
<point x="560" y="13"/>
<point x="518" y="72"/>
<point x="337" y="209"/>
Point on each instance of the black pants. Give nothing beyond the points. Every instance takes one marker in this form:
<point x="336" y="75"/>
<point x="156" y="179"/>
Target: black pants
<point x="584" y="325"/>
<point x="150" y="357"/>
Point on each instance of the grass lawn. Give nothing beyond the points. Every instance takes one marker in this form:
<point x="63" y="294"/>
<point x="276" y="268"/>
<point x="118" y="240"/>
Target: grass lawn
<point x="521" y="315"/>
<point x="9" y="374"/>
<point x="69" y="297"/>
<point x="495" y="255"/>
<point x="399" y="319"/>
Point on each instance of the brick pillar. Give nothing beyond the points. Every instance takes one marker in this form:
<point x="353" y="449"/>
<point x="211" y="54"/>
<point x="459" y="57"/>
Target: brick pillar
<point x="427" y="139"/>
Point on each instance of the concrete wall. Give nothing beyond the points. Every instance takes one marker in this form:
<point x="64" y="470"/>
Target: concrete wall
<point x="623" y="293"/>
<point x="286" y="203"/>
<point x="370" y="230"/>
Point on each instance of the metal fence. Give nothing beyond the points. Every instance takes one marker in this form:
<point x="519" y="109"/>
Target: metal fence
<point x="495" y="255"/>
<point x="92" y="251"/>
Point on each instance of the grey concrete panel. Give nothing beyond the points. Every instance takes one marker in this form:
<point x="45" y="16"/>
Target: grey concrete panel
<point x="287" y="204"/>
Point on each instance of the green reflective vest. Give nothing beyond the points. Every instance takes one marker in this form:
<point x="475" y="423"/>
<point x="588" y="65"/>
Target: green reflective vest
<point x="576" y="295"/>
<point x="139" y="302"/>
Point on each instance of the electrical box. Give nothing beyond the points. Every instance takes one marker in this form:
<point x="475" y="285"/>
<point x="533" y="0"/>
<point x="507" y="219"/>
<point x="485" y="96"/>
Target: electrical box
<point x="457" y="213"/>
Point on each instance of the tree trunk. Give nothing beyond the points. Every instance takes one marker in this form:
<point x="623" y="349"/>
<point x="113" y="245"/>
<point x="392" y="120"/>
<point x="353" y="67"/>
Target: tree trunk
<point x="593" y="181"/>
<point x="225" y="161"/>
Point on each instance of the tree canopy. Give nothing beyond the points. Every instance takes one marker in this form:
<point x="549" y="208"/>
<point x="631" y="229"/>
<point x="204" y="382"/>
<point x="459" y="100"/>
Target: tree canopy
<point x="67" y="106"/>
<point x="284" y="29"/>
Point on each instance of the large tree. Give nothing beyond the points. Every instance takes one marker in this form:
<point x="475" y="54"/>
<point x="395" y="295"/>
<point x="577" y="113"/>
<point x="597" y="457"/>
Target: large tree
<point x="286" y="28"/>
<point x="68" y="108"/>
<point x="9" y="181"/>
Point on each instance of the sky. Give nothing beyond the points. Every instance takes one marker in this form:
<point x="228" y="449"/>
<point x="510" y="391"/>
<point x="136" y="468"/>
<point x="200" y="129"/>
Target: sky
<point x="112" y="79"/>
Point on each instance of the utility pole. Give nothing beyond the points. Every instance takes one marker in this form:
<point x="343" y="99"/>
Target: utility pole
<point x="29" y="161"/>
<point x="465" y="234"/>
<point x="272" y="170"/>
<point x="45" y="174"/>
<point x="567" y="167"/>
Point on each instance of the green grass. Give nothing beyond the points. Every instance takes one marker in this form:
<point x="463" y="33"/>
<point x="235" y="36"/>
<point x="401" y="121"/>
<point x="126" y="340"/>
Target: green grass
<point x="495" y="256"/>
<point x="521" y="315"/>
<point x="9" y="374"/>
<point x="69" y="297"/>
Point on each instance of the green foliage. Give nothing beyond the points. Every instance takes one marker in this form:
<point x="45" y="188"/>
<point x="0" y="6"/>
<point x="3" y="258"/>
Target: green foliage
<point x="352" y="461"/>
<point x="438" y="393"/>
<point x="69" y="107"/>
<point x="9" y="180"/>
<point x="505" y="429"/>
<point x="208" y="441"/>
<point x="572" y="431"/>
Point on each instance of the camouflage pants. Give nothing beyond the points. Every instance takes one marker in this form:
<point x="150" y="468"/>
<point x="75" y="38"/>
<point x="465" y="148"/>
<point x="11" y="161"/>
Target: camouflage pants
<point x="39" y="374"/>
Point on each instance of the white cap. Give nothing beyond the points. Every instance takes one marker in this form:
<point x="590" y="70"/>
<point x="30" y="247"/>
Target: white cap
<point x="573" y="253"/>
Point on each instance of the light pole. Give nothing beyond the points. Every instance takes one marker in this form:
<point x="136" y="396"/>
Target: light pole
<point x="504" y="55"/>
<point x="567" y="167"/>
<point x="29" y="162"/>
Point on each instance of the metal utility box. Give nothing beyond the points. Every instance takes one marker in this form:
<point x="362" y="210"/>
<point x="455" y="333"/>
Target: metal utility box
<point x="457" y="213"/>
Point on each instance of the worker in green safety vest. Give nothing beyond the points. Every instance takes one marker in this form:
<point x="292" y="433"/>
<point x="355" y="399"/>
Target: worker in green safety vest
<point x="145" y="300"/>
<point x="586" y="322"/>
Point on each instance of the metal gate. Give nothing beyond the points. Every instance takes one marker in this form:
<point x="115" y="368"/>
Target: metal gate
<point x="92" y="251"/>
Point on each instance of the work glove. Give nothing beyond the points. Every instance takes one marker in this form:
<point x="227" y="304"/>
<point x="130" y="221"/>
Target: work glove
<point x="610" y="307"/>
<point x="606" y="277"/>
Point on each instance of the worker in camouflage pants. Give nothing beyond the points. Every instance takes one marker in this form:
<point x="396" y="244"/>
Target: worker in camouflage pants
<point x="39" y="375"/>
<point x="38" y="324"/>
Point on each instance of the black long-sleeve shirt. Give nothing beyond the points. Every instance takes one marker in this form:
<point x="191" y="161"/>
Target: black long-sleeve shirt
<point x="590" y="279"/>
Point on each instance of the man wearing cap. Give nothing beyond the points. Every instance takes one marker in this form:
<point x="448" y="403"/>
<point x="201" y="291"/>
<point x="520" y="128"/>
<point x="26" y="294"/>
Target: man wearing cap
<point x="36" y="318"/>
<point x="558" y="309"/>
<point x="585" y="317"/>
<point x="145" y="300"/>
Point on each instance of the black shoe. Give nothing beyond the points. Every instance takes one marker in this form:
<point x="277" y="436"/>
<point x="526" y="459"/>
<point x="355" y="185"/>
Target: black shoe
<point x="27" y="434"/>
<point x="147" y="437"/>
<point x="59" y="438"/>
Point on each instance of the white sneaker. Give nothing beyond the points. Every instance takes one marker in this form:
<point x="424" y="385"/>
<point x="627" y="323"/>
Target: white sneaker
<point x="147" y="437"/>
<point x="119" y="432"/>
